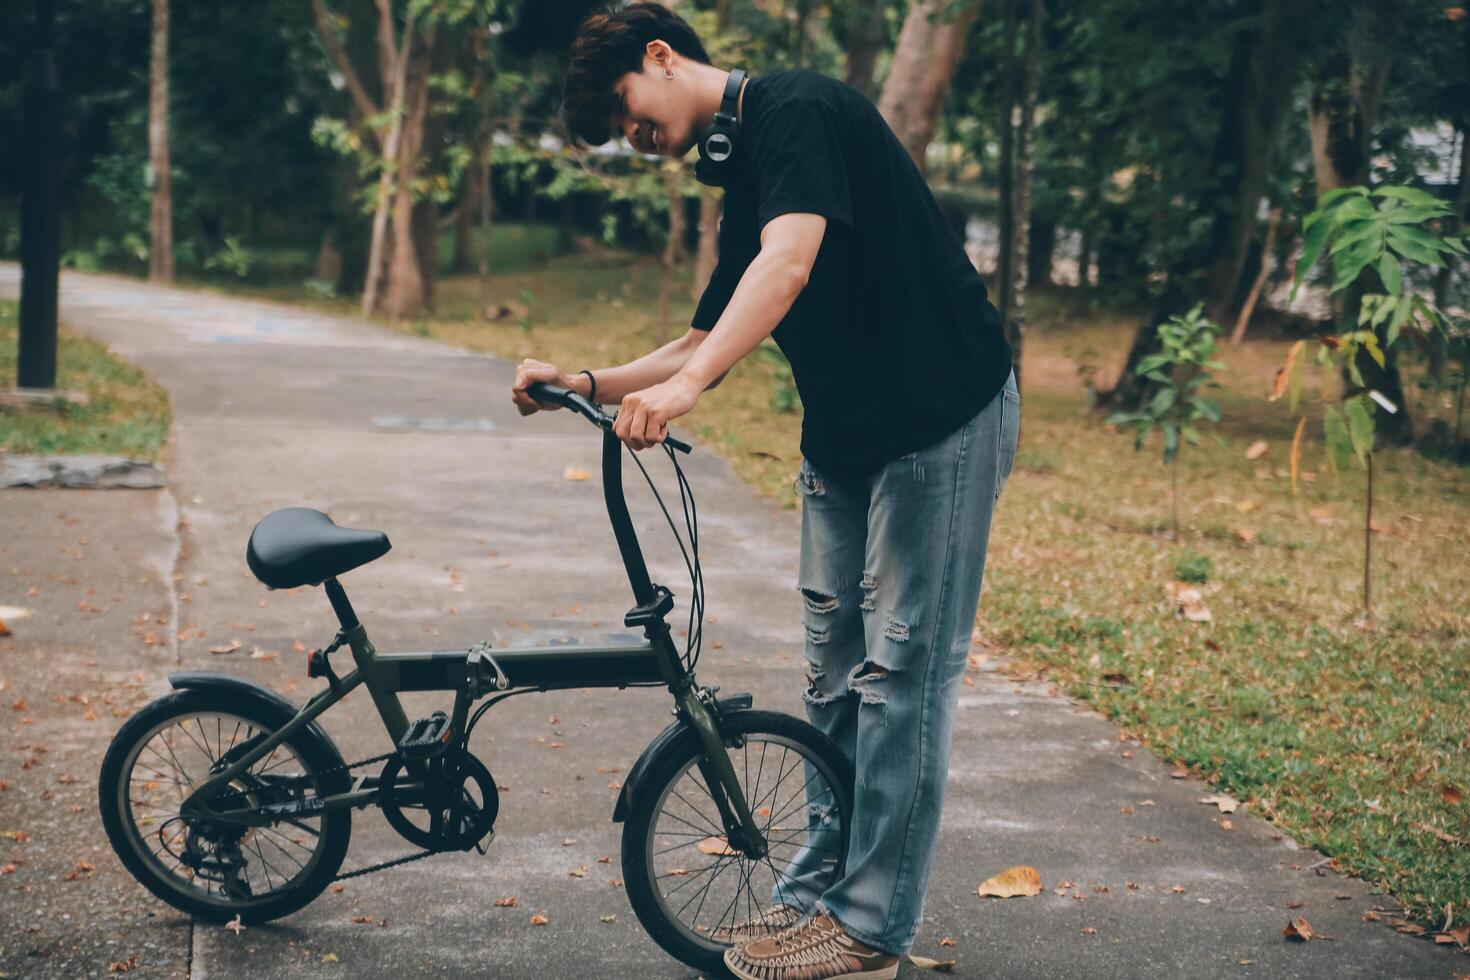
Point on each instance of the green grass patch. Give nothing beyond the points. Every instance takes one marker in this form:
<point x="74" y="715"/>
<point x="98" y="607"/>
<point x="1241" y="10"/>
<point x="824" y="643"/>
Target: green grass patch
<point x="127" y="413"/>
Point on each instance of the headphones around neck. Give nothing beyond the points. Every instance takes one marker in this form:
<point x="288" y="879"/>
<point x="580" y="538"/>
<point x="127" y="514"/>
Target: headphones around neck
<point x="718" y="143"/>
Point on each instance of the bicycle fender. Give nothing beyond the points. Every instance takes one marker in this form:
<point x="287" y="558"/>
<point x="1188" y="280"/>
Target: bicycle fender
<point x="664" y="739"/>
<point x="252" y="692"/>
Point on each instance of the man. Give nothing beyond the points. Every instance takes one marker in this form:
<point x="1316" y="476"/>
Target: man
<point x="832" y="244"/>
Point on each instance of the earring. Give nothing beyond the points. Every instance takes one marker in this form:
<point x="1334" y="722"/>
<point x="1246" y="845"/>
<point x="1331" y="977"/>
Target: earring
<point x="669" y="74"/>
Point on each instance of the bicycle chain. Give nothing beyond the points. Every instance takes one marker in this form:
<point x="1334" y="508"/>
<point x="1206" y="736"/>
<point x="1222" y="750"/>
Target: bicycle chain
<point x="370" y="869"/>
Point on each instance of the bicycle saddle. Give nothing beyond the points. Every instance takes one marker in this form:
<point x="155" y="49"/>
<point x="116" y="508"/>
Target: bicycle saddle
<point x="301" y="546"/>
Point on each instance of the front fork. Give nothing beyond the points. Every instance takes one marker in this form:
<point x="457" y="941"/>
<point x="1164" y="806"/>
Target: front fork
<point x="696" y="706"/>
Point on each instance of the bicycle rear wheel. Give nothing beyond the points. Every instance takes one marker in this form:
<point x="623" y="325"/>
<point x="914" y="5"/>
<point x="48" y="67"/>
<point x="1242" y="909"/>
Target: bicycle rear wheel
<point x="686" y="883"/>
<point x="216" y="872"/>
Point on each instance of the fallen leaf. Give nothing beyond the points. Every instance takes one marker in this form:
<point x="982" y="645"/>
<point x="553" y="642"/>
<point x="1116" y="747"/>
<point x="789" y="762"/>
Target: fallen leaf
<point x="572" y="473"/>
<point x="925" y="963"/>
<point x="538" y="919"/>
<point x="1089" y="931"/>
<point x="230" y="647"/>
<point x="506" y="903"/>
<point x="1301" y="930"/>
<point x="234" y="926"/>
<point x="330" y="958"/>
<point x="1451" y="794"/>
<point x="1018" y="882"/>
<point x="606" y="918"/>
<point x="1446" y="837"/>
<point x="717" y="846"/>
<point x="1227" y="824"/>
<point x="1227" y="804"/>
<point x="946" y="941"/>
<point x="1257" y="449"/>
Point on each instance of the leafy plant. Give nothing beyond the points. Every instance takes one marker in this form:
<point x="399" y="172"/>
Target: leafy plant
<point x="784" y="398"/>
<point x="1182" y="369"/>
<point x="1192" y="567"/>
<point x="232" y="257"/>
<point x="1380" y="229"/>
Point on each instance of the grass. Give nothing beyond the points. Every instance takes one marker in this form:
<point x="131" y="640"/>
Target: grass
<point x="1353" y="739"/>
<point x="126" y="415"/>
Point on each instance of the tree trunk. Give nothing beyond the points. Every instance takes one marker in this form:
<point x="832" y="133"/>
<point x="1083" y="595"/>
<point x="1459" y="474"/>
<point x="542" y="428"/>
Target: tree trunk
<point x="407" y="292"/>
<point x="1243" y="321"/>
<point x="1005" y="262"/>
<point x="387" y="179"/>
<point x="464" y="218"/>
<point x="1229" y="204"/>
<point x="1342" y="114"/>
<point x="1040" y="250"/>
<point x="867" y="35"/>
<point x="161" y="238"/>
<point x="709" y="242"/>
<point x="928" y="49"/>
<point x="1439" y="340"/>
<point x="1025" y="174"/>
<point x="1263" y="66"/>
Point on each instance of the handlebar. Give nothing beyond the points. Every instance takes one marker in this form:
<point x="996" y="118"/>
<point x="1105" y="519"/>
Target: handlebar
<point x="545" y="392"/>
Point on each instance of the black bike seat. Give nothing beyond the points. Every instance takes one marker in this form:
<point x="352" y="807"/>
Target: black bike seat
<point x="301" y="546"/>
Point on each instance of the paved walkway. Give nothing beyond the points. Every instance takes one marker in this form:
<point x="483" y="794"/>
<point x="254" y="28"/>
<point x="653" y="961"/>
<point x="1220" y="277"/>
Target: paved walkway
<point x="276" y="407"/>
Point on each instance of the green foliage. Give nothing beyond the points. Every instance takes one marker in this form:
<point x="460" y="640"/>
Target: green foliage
<point x="233" y="258"/>
<point x="1182" y="370"/>
<point x="784" y="397"/>
<point x="1384" y="231"/>
<point x="1192" y="566"/>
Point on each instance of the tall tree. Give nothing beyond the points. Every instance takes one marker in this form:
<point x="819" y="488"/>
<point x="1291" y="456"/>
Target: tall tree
<point x="161" y="240"/>
<point x="929" y="47"/>
<point x="865" y="38"/>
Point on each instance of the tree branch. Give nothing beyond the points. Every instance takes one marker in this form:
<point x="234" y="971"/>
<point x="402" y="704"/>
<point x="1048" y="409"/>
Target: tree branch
<point x="326" y="30"/>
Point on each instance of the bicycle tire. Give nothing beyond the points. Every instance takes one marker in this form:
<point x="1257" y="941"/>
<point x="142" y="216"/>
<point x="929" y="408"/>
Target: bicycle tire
<point x="315" y="755"/>
<point x="667" y="769"/>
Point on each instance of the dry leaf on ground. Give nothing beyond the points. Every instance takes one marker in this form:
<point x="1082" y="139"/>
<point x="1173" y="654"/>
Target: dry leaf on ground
<point x="925" y="963"/>
<point x="1018" y="882"/>
<point x="1300" y="929"/>
<point x="1226" y="803"/>
<point x="1257" y="449"/>
<point x="572" y="473"/>
<point x="1188" y="602"/>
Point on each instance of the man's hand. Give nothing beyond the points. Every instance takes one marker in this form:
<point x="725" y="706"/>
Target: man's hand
<point x="531" y="370"/>
<point x="644" y="416"/>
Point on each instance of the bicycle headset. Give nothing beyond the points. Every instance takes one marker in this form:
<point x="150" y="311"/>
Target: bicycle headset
<point x="719" y="142"/>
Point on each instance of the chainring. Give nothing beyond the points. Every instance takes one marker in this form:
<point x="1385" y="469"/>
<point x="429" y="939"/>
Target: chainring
<point x="456" y="820"/>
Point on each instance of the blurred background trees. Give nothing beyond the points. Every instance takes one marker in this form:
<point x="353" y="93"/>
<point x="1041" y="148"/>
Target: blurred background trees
<point x="1144" y="155"/>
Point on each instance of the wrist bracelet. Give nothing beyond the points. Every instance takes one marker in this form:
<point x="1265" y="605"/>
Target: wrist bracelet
<point x="592" y="393"/>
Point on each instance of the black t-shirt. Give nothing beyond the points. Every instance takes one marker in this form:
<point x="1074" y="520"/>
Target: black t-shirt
<point x="893" y="343"/>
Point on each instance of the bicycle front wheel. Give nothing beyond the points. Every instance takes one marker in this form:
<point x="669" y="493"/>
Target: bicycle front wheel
<point x="686" y="884"/>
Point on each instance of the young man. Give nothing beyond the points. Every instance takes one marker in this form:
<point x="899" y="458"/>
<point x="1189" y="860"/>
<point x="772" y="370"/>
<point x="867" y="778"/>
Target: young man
<point x="832" y="243"/>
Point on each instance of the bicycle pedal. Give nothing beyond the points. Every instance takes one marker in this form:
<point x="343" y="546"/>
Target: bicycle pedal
<point x="426" y="737"/>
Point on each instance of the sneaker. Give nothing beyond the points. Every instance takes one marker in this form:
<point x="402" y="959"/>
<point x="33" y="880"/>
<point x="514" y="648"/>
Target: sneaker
<point x="758" y="926"/>
<point x="818" y="949"/>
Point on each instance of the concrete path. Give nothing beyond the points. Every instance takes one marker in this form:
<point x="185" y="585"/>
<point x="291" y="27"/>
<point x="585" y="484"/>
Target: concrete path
<point x="276" y="407"/>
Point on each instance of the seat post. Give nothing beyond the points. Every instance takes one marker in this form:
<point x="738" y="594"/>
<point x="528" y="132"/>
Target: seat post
<point x="345" y="614"/>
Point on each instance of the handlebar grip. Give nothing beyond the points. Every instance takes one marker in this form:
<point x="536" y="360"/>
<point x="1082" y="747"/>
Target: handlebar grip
<point x="545" y="391"/>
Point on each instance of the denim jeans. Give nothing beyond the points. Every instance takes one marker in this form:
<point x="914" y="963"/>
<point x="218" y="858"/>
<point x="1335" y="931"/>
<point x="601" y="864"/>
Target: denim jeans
<point x="891" y="565"/>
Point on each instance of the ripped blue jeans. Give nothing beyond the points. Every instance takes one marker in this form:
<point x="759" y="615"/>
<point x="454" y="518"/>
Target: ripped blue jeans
<point x="891" y="565"/>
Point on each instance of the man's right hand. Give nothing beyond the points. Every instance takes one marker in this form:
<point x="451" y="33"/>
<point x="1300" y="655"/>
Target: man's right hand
<point x="530" y="370"/>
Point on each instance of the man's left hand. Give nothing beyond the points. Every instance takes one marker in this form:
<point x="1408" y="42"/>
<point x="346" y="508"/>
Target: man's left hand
<point x="644" y="416"/>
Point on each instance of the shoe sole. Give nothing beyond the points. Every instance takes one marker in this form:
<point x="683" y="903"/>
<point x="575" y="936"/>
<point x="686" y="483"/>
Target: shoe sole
<point x="885" y="973"/>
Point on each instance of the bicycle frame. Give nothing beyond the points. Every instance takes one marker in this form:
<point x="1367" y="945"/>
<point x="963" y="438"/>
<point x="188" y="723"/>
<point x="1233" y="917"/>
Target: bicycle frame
<point x="480" y="670"/>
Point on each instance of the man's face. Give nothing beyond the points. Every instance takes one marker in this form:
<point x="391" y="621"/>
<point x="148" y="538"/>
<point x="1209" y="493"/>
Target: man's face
<point x="654" y="112"/>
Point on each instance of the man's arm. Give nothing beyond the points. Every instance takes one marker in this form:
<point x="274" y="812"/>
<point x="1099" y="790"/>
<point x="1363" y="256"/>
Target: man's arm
<point x="771" y="283"/>
<point x="645" y="372"/>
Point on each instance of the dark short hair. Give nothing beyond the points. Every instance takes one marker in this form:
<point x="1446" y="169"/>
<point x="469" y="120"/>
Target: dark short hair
<point x="608" y="46"/>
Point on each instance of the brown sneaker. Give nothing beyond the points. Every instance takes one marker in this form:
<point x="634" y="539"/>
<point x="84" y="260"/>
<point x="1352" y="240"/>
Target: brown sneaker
<point x="758" y="926"/>
<point x="818" y="949"/>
